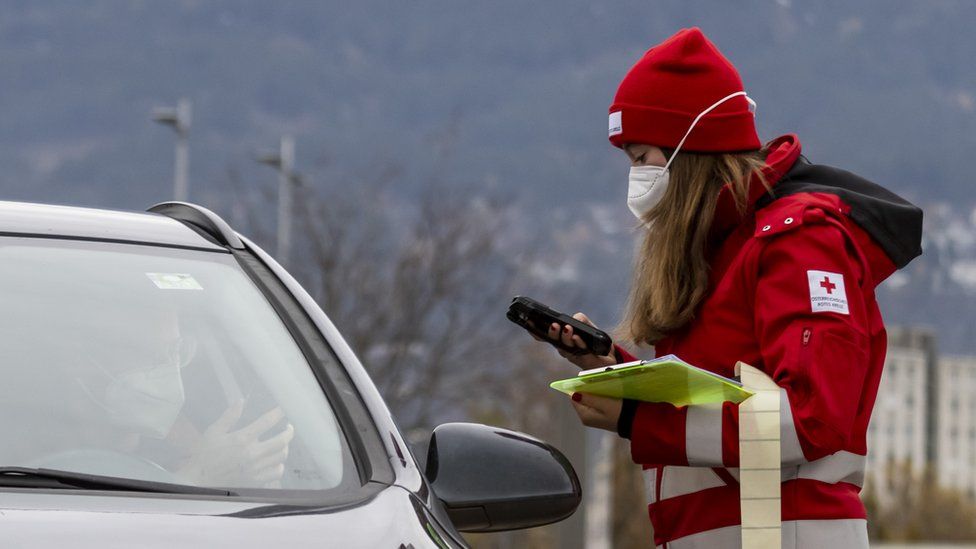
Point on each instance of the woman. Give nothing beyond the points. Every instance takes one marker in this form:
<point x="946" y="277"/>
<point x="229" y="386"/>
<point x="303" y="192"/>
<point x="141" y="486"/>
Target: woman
<point x="752" y="254"/>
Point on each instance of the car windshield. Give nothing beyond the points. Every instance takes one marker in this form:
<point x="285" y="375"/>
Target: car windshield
<point x="157" y="364"/>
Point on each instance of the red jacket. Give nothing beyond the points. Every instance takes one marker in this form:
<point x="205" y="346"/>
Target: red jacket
<point x="791" y="292"/>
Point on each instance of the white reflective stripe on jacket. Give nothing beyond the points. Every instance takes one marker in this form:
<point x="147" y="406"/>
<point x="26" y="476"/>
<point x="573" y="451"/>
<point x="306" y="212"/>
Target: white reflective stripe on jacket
<point x="797" y="534"/>
<point x="703" y="435"/>
<point x="678" y="481"/>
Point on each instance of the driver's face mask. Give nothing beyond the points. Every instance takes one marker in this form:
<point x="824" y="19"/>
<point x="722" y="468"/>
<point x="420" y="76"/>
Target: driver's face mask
<point x="148" y="400"/>
<point x="647" y="184"/>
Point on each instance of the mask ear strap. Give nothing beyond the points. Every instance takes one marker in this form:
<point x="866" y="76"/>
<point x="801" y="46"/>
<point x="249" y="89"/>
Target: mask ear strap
<point x="752" y="108"/>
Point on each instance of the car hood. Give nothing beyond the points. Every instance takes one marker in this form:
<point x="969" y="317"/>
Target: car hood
<point x="69" y="519"/>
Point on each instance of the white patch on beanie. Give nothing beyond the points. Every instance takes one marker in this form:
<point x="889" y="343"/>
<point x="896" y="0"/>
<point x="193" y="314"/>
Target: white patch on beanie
<point x="616" y="123"/>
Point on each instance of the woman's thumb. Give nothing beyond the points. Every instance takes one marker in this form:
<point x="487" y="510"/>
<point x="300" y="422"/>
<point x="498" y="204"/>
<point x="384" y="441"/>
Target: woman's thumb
<point x="584" y="319"/>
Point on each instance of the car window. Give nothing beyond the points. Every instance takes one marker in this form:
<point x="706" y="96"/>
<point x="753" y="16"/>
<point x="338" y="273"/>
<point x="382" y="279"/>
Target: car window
<point x="157" y="364"/>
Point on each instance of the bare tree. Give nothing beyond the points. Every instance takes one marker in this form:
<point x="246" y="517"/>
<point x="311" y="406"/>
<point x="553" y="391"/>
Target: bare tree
<point x="417" y="289"/>
<point x="916" y="508"/>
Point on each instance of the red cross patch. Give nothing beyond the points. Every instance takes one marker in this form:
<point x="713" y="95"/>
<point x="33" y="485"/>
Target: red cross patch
<point x="827" y="293"/>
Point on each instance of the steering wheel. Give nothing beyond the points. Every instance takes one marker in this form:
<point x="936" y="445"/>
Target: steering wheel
<point x="98" y="461"/>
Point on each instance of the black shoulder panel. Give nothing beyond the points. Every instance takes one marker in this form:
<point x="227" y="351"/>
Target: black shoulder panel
<point x="892" y="221"/>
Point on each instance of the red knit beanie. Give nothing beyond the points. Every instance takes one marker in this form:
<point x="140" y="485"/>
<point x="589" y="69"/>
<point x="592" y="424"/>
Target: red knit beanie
<point x="673" y="83"/>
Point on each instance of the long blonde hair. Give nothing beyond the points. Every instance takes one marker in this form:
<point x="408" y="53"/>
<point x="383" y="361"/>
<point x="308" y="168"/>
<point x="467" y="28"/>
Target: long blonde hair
<point x="671" y="269"/>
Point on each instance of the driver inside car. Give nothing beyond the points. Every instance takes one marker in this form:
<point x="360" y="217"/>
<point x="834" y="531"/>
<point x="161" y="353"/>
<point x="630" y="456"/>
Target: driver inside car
<point x="136" y="380"/>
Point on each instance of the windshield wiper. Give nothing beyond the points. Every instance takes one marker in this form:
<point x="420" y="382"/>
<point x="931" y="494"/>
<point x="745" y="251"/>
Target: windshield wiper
<point x="28" y="477"/>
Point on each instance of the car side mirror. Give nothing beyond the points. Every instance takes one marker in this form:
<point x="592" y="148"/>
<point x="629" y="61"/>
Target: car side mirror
<point x="492" y="479"/>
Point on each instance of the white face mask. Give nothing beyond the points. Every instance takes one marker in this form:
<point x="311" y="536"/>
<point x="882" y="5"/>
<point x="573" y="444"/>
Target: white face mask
<point x="148" y="400"/>
<point x="647" y="184"/>
<point x="646" y="188"/>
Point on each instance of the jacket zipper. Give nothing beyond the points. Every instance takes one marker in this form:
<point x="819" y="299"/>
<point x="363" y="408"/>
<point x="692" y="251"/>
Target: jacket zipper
<point x="805" y="350"/>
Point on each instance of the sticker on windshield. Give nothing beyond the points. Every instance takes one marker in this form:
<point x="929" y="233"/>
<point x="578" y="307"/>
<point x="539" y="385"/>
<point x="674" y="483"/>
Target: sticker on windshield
<point x="174" y="281"/>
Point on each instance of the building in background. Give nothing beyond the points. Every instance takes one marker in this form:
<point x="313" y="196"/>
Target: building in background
<point x="924" y="418"/>
<point x="901" y="436"/>
<point x="957" y="424"/>
<point x="897" y="432"/>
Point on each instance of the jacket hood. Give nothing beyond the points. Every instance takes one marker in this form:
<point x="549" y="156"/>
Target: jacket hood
<point x="891" y="221"/>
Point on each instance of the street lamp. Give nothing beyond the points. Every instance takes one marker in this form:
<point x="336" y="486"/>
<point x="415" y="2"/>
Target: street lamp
<point x="179" y="119"/>
<point x="284" y="162"/>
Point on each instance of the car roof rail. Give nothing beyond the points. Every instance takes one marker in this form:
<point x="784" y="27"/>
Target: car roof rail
<point x="200" y="218"/>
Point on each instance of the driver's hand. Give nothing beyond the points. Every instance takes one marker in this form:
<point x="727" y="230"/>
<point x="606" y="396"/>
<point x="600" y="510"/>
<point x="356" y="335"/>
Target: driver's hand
<point x="239" y="458"/>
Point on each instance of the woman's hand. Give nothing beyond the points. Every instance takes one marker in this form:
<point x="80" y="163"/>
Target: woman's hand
<point x="597" y="411"/>
<point x="586" y="361"/>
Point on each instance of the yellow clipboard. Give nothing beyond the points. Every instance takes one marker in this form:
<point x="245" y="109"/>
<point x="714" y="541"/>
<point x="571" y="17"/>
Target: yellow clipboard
<point x="666" y="379"/>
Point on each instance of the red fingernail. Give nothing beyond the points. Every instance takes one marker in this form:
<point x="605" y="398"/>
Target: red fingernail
<point x="566" y="329"/>
<point x="577" y="397"/>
